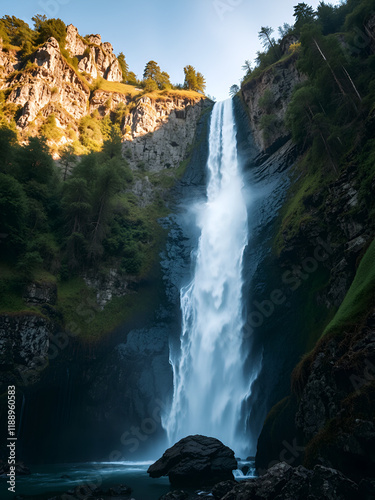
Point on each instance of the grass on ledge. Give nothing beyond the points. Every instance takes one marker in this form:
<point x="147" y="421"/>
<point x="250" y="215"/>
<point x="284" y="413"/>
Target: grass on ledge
<point x="353" y="310"/>
<point x="259" y="72"/>
<point x="132" y="91"/>
<point x="118" y="87"/>
<point x="12" y="286"/>
<point x="163" y="95"/>
<point x="8" y="46"/>
<point x="360" y="296"/>
<point x="83" y="317"/>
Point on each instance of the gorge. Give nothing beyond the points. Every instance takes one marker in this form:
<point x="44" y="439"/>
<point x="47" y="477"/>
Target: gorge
<point x="190" y="267"/>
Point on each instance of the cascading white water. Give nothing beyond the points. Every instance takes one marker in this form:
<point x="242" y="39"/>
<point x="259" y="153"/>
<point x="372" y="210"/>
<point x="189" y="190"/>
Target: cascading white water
<point x="209" y="382"/>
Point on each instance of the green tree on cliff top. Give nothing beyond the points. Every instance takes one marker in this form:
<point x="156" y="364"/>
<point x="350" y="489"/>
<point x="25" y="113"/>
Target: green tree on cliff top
<point x="194" y="80"/>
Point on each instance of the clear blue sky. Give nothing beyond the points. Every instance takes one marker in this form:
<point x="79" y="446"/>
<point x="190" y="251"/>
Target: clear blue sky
<point x="215" y="36"/>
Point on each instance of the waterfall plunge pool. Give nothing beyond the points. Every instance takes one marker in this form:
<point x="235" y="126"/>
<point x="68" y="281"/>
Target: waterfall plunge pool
<point x="47" y="481"/>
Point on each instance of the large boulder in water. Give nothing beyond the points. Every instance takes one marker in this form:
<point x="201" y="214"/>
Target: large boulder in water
<point x="196" y="460"/>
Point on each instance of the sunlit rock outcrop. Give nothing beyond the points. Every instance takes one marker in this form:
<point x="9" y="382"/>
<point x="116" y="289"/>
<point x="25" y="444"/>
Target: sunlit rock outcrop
<point x="162" y="131"/>
<point x="95" y="58"/>
<point x="49" y="80"/>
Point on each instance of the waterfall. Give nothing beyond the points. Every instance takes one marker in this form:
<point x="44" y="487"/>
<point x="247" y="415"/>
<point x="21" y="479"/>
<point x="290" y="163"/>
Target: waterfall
<point x="208" y="369"/>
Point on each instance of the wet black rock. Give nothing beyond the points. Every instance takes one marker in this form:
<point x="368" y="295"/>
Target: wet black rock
<point x="245" y="469"/>
<point x="175" y="495"/>
<point x="367" y="489"/>
<point x="85" y="492"/>
<point x="221" y="489"/>
<point x="21" y="469"/>
<point x="195" y="460"/>
<point x="333" y="415"/>
<point x="283" y="482"/>
<point x="119" y="490"/>
<point x="339" y="390"/>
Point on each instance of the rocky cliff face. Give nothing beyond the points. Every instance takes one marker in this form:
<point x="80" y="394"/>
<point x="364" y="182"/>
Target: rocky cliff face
<point x="108" y="286"/>
<point x="328" y="418"/>
<point x="9" y="62"/>
<point x="127" y="390"/>
<point x="48" y="86"/>
<point x="335" y="408"/>
<point x="24" y="343"/>
<point x="266" y="98"/>
<point x="51" y="368"/>
<point x="163" y="131"/>
<point x="25" y="337"/>
<point x="336" y="214"/>
<point x="95" y="58"/>
<point x="157" y="131"/>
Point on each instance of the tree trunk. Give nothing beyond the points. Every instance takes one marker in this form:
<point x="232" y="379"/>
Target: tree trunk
<point x="330" y="68"/>
<point x="352" y="83"/>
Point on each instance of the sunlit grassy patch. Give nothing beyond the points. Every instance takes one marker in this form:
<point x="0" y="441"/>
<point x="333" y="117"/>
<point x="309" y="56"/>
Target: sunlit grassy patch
<point x="121" y="88"/>
<point x="162" y="95"/>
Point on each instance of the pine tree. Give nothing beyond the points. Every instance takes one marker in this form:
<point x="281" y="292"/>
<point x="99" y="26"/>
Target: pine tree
<point x="124" y="66"/>
<point x="35" y="162"/>
<point x="13" y="212"/>
<point x="68" y="160"/>
<point x="17" y="32"/>
<point x="265" y="35"/>
<point x="8" y="144"/>
<point x="39" y="19"/>
<point x="304" y="14"/>
<point x="247" y="67"/>
<point x="132" y="78"/>
<point x="201" y="83"/>
<point x="150" y="85"/>
<point x="152" y="70"/>
<point x="194" y="80"/>
<point x="284" y="30"/>
<point x="47" y="28"/>
<point x="164" y="81"/>
<point x="234" y="89"/>
<point x="190" y="78"/>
